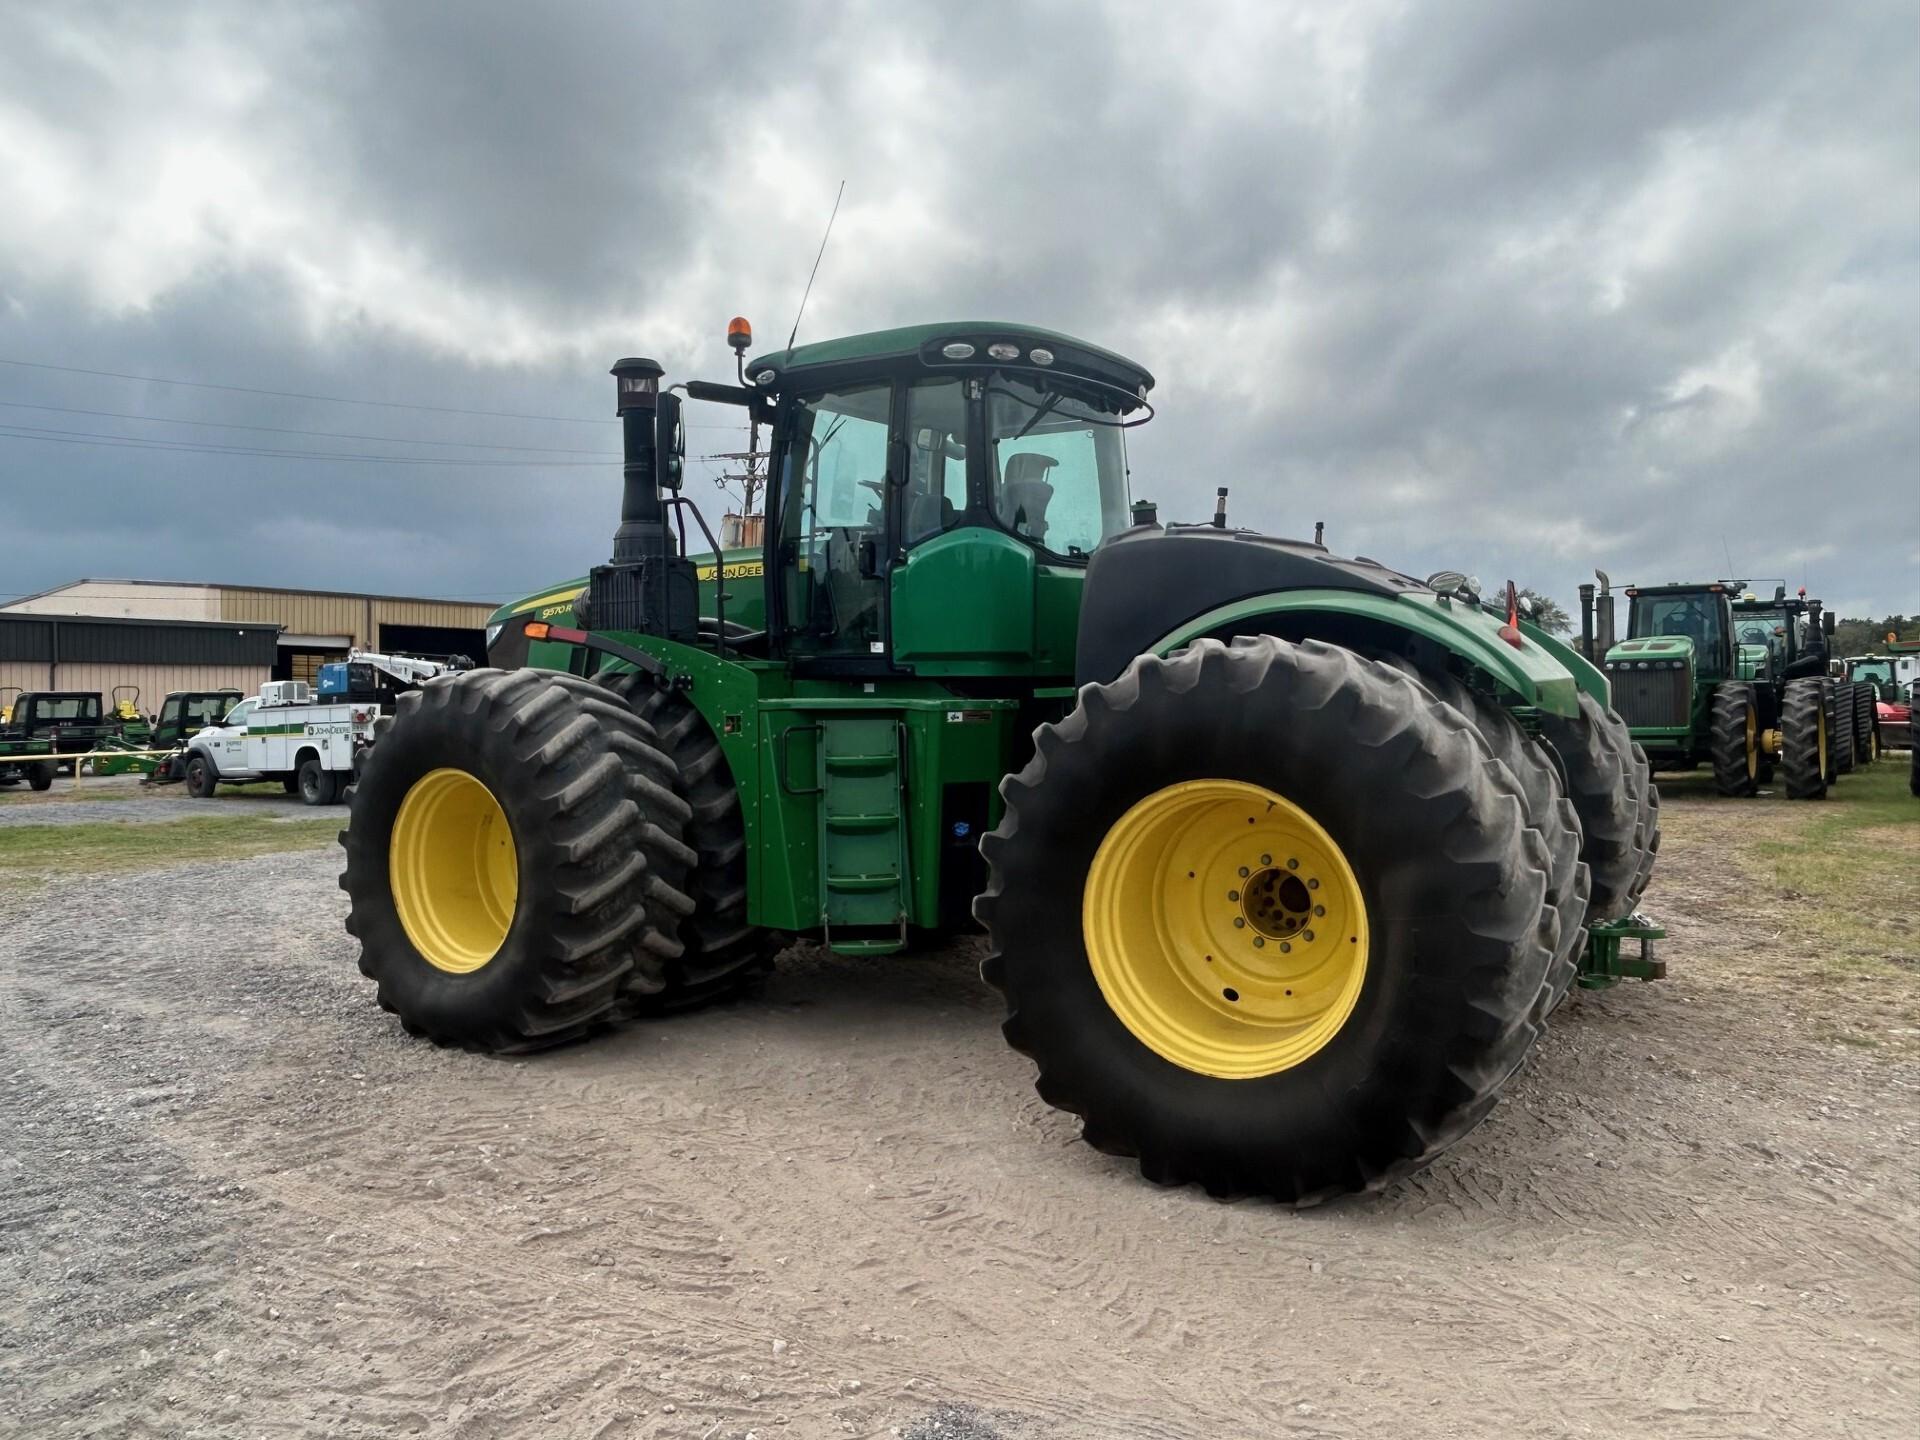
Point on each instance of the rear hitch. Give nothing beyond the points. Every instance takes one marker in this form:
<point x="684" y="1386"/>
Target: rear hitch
<point x="1602" y="964"/>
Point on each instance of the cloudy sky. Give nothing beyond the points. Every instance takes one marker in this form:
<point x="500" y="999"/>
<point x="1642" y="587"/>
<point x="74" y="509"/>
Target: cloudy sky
<point x="1514" y="289"/>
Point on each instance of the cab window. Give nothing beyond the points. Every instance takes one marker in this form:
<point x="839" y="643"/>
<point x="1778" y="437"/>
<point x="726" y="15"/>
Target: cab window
<point x="238" y="715"/>
<point x="1057" y="467"/>
<point x="935" y="494"/>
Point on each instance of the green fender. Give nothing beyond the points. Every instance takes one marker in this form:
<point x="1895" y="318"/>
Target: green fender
<point x="1542" y="672"/>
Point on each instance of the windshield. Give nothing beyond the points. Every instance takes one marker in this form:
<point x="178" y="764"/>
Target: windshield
<point x="196" y="710"/>
<point x="67" y="707"/>
<point x="1764" y="627"/>
<point x="1696" y="617"/>
<point x="1058" y="467"/>
<point x="1877" y="670"/>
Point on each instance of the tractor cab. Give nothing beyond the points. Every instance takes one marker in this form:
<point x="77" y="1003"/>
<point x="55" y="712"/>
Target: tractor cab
<point x="935" y="492"/>
<point x="1794" y="630"/>
<point x="1697" y="614"/>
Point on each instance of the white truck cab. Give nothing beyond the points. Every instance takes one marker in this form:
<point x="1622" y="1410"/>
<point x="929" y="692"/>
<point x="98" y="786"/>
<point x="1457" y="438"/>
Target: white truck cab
<point x="282" y="734"/>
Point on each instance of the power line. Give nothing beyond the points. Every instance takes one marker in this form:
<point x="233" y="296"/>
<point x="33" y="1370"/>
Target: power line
<point x="319" y="434"/>
<point x="303" y="395"/>
<point x="134" y="442"/>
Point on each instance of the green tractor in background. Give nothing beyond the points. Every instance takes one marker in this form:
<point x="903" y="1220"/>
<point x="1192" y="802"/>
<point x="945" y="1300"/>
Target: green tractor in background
<point x="1283" y="858"/>
<point x="1797" y="632"/>
<point x="1710" y="675"/>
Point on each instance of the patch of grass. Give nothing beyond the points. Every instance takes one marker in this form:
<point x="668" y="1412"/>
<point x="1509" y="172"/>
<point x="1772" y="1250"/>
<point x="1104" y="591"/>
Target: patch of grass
<point x="65" y="792"/>
<point x="34" y="854"/>
<point x="1849" y="866"/>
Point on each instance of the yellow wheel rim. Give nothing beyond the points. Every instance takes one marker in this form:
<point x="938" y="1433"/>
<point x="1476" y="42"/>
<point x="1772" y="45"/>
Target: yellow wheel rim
<point x="454" y="871"/>
<point x="1753" y="745"/>
<point x="1225" y="928"/>
<point x="1823" y="742"/>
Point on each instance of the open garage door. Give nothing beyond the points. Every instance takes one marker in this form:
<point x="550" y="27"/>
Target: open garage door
<point x="434" y="640"/>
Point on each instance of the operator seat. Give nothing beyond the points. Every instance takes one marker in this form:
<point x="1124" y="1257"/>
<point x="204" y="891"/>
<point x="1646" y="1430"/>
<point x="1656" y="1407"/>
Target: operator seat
<point x="1025" y="493"/>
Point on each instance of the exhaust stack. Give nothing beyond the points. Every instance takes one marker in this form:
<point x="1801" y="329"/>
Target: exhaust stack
<point x="648" y="587"/>
<point x="1603" y="617"/>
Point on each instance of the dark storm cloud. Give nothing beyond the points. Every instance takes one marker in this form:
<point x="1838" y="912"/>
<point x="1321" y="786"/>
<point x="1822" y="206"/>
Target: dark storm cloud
<point x="1522" y="289"/>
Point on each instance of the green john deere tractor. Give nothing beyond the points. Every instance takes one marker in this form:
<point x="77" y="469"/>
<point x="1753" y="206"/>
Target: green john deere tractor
<point x="1283" y="858"/>
<point x="1706" y="677"/>
<point x="1798" y="635"/>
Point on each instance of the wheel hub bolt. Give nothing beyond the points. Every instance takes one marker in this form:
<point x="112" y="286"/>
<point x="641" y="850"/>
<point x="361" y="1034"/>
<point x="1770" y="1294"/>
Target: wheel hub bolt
<point x="1293" y="864"/>
<point x="1239" y="922"/>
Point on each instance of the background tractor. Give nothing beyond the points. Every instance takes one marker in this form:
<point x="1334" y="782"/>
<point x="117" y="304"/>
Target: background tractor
<point x="1798" y="632"/>
<point x="1891" y="677"/>
<point x="1709" y="674"/>
<point x="1283" y="858"/>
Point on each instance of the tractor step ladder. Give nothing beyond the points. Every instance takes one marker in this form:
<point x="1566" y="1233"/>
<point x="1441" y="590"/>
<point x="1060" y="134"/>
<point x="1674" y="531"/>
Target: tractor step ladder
<point x="863" y="835"/>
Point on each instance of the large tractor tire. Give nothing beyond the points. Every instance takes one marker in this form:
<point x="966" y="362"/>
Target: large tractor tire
<point x="1268" y="918"/>
<point x="1803" y="741"/>
<point x="1839" y="728"/>
<point x="1549" y="811"/>
<point x="1735" y="739"/>
<point x="1866" y="732"/>
<point x="723" y="951"/>
<point x="513" y="856"/>
<point x="1646" y="825"/>
<point x="1612" y="788"/>
<point x="1913" y="746"/>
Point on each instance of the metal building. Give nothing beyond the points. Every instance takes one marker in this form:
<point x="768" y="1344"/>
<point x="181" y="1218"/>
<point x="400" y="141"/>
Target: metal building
<point x="60" y="652"/>
<point x="315" y="625"/>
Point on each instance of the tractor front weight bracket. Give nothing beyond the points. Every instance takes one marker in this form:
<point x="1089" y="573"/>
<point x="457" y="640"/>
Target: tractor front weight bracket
<point x="1602" y="963"/>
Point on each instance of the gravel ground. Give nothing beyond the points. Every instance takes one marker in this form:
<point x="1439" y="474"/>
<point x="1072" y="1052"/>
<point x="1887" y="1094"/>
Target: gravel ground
<point x="236" y="1200"/>
<point x="122" y="799"/>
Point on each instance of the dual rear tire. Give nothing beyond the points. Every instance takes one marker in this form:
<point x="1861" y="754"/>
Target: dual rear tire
<point x="1276" y="918"/>
<point x="514" y="860"/>
<point x="532" y="854"/>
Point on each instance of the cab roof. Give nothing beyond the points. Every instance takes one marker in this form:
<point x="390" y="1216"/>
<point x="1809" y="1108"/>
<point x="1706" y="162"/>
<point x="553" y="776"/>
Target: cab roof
<point x="925" y="343"/>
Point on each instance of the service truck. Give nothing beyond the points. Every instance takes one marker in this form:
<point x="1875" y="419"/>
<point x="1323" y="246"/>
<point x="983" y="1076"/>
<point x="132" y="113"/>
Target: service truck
<point x="284" y="733"/>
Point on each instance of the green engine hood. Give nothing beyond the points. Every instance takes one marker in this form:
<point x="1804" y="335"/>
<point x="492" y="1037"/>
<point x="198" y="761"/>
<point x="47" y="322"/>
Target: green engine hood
<point x="1653" y="647"/>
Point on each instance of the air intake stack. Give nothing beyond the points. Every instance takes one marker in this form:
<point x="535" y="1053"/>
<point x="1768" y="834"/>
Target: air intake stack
<point x="649" y="587"/>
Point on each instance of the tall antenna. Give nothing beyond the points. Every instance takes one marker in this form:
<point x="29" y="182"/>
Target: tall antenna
<point x="1727" y="552"/>
<point x="816" y="266"/>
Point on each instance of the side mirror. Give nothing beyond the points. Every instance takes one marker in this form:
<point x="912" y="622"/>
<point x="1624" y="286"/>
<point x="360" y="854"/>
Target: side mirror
<point x="1826" y="621"/>
<point x="869" y="559"/>
<point x="670" y="442"/>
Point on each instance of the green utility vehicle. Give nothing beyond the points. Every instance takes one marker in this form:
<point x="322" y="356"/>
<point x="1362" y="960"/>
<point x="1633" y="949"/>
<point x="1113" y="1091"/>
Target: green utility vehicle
<point x="183" y="715"/>
<point x="1283" y="858"/>
<point x="53" y="722"/>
